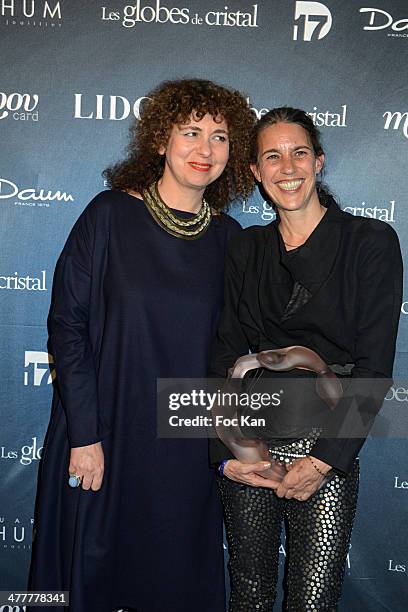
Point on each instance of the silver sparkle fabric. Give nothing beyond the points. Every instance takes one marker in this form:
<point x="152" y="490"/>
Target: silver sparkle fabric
<point x="317" y="541"/>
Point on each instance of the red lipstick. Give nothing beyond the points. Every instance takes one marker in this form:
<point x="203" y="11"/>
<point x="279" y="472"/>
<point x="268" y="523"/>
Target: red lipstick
<point x="200" y="167"/>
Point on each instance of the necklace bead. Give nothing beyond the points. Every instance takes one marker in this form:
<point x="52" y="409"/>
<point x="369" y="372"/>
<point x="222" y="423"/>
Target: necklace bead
<point x="188" y="229"/>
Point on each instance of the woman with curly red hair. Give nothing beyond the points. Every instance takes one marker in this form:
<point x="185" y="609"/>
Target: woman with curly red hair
<point x="125" y="519"/>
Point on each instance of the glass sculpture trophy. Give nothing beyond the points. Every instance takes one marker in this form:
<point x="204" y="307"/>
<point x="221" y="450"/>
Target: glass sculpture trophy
<point x="249" y="450"/>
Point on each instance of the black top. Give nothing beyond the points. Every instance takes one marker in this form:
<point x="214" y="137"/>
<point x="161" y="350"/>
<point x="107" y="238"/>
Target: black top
<point x="339" y="294"/>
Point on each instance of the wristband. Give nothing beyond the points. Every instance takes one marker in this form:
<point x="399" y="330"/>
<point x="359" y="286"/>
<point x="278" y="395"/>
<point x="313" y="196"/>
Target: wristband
<point x="222" y="466"/>
<point x="315" y="466"/>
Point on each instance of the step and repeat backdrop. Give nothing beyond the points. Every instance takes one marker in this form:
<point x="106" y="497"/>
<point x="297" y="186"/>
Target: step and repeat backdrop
<point x="74" y="75"/>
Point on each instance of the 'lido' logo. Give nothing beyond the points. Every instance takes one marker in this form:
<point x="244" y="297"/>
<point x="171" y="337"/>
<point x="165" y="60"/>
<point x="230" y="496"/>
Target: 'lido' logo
<point x="115" y="108"/>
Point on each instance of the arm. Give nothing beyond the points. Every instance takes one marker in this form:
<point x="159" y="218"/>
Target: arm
<point x="70" y="345"/>
<point x="231" y="343"/>
<point x="379" y="305"/>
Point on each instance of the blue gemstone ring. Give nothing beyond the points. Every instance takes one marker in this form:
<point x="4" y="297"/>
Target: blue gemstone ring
<point x="74" y="481"/>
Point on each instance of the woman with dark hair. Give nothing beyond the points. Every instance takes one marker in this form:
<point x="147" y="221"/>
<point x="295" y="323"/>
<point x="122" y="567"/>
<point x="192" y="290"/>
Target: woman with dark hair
<point x="319" y="278"/>
<point x="125" y="519"/>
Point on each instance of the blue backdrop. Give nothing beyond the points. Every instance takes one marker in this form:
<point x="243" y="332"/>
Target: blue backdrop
<point x="74" y="75"/>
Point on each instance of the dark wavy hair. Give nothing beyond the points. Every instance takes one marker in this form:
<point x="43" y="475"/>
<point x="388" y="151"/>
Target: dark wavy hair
<point x="172" y="103"/>
<point x="287" y="114"/>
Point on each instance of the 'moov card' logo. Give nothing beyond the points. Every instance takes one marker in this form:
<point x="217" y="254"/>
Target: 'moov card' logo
<point x="314" y="20"/>
<point x="21" y="106"/>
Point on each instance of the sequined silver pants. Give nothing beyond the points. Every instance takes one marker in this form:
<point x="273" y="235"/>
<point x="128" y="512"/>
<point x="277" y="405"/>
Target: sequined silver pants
<point x="317" y="541"/>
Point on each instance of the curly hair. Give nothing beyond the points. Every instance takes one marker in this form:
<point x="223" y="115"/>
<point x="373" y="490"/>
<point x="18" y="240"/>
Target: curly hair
<point x="172" y="103"/>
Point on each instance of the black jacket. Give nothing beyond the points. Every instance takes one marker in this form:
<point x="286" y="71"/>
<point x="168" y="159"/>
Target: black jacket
<point x="350" y="273"/>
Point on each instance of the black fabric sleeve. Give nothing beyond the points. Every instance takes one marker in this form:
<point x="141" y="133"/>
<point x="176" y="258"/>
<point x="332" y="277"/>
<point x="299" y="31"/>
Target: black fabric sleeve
<point x="230" y="342"/>
<point x="380" y="297"/>
<point x="68" y="333"/>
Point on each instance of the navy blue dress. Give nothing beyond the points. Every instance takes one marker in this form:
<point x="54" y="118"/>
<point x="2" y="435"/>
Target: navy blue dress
<point x="130" y="303"/>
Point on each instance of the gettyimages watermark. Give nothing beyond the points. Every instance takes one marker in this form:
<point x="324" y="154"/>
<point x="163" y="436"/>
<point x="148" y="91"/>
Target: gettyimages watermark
<point x="208" y="400"/>
<point x="281" y="408"/>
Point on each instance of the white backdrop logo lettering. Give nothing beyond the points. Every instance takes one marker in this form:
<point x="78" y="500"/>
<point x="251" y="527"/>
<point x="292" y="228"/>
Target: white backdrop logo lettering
<point x="143" y="12"/>
<point x="328" y="118"/>
<point x="30" y="452"/>
<point x="373" y="212"/>
<point x="19" y="106"/>
<point x="8" y="454"/>
<point x="31" y="197"/>
<point x="16" y="533"/>
<point x="396" y="567"/>
<point x="381" y="20"/>
<point x="239" y="19"/>
<point x="40" y="362"/>
<point x="114" y="108"/>
<point x="314" y="21"/>
<point x="158" y="12"/>
<point x="17" y="282"/>
<point x="399" y="394"/>
<point x="395" y="121"/>
<point x="27" y="454"/>
<point x="320" y="117"/>
<point x="258" y="112"/>
<point x="404" y="308"/>
<point x="28" y="12"/>
<point x="400" y="484"/>
<point x="263" y="209"/>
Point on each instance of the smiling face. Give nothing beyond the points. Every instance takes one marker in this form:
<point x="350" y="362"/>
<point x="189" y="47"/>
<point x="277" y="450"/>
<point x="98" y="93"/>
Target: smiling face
<point x="196" y="153"/>
<point x="287" y="166"/>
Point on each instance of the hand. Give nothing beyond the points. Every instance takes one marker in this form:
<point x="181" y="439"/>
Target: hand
<point x="302" y="479"/>
<point x="88" y="463"/>
<point x="245" y="473"/>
